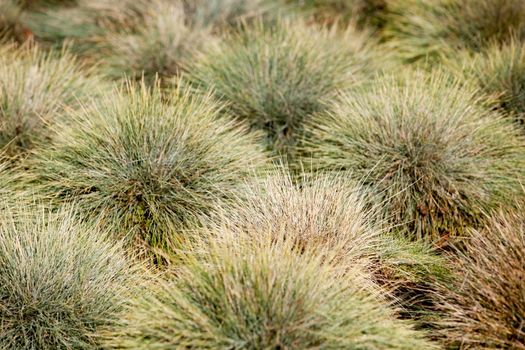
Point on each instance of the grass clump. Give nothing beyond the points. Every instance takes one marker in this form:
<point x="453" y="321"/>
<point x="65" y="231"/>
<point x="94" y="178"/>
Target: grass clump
<point x="246" y="293"/>
<point x="499" y="72"/>
<point x="364" y="13"/>
<point x="327" y="214"/>
<point x="219" y="15"/>
<point x="423" y="28"/>
<point x="276" y="76"/>
<point x="85" y="23"/>
<point x="35" y="90"/>
<point x="155" y="48"/>
<point x="148" y="167"/>
<point x="432" y="154"/>
<point x="60" y="281"/>
<point x="485" y="307"/>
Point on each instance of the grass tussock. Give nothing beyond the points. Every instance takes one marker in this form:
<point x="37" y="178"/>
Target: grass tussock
<point x="327" y="215"/>
<point x="485" y="307"/>
<point x="60" y="281"/>
<point x="364" y="13"/>
<point x="432" y="154"/>
<point x="275" y="76"/>
<point x="499" y="71"/>
<point x="148" y="166"/>
<point x="420" y="29"/>
<point x="259" y="294"/>
<point x="85" y="23"/>
<point x="35" y="90"/>
<point x="157" y="47"/>
<point x="219" y="15"/>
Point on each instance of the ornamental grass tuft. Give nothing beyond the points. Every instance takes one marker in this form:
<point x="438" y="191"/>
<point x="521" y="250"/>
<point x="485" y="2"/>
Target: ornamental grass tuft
<point x="147" y="165"/>
<point x="435" y="157"/>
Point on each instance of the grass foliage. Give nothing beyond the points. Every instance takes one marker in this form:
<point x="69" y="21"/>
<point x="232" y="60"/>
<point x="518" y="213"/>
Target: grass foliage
<point x="485" y="307"/>
<point x="260" y="294"/>
<point x="499" y="72"/>
<point x="363" y="13"/>
<point x="220" y="15"/>
<point x="158" y="47"/>
<point x="35" y="90"/>
<point x="420" y="29"/>
<point x="433" y="155"/>
<point x="59" y="281"/>
<point x="276" y="76"/>
<point x="149" y="167"/>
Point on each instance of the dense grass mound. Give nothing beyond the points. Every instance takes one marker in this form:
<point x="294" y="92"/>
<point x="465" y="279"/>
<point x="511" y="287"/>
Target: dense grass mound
<point x="150" y="168"/>
<point x="85" y="23"/>
<point x="328" y="216"/>
<point x="500" y="73"/>
<point x="157" y="47"/>
<point x="420" y="28"/>
<point x="35" y="90"/>
<point x="223" y="14"/>
<point x="59" y="282"/>
<point x="259" y="294"/>
<point x="435" y="158"/>
<point x="276" y="76"/>
<point x="485" y="308"/>
<point x="362" y="12"/>
<point x="325" y="214"/>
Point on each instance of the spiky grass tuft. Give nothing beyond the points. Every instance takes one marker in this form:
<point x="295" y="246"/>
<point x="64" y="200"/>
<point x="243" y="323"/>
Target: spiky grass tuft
<point x="434" y="156"/>
<point x="258" y="293"/>
<point x="59" y="281"/>
<point x="421" y="29"/>
<point x="155" y="48"/>
<point x="149" y="167"/>
<point x="485" y="307"/>
<point x="276" y="76"/>
<point x="35" y="89"/>
<point x="499" y="72"/>
<point x="326" y="215"/>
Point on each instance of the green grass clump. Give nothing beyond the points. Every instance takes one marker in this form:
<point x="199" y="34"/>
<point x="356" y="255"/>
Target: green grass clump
<point x="60" y="281"/>
<point x="362" y="12"/>
<point x="328" y="216"/>
<point x="485" y="307"/>
<point x="85" y="23"/>
<point x="499" y="72"/>
<point x="148" y="166"/>
<point x="434" y="156"/>
<point x="256" y="292"/>
<point x="35" y="90"/>
<point x="223" y="14"/>
<point x="155" y="48"/>
<point x="276" y="76"/>
<point x="421" y="29"/>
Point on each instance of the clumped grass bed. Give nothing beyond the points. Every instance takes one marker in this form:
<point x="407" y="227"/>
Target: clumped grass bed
<point x="262" y="174"/>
